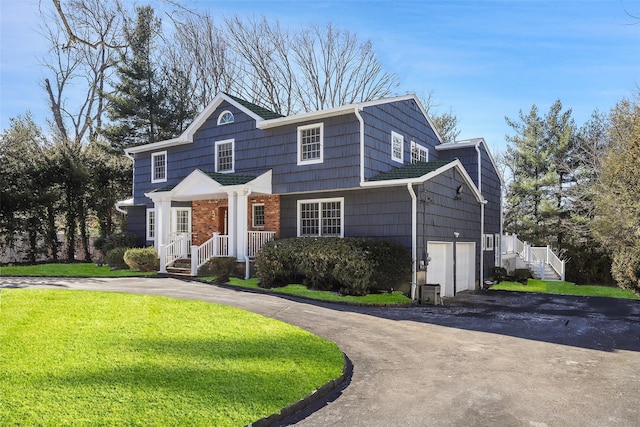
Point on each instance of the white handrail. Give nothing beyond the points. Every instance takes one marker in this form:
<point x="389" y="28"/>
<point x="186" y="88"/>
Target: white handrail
<point x="555" y="262"/>
<point x="217" y="245"/>
<point x="257" y="239"/>
<point x="176" y="249"/>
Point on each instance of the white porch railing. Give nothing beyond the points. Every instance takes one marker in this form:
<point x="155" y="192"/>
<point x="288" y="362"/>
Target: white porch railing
<point x="257" y="239"/>
<point x="177" y="248"/>
<point x="536" y="257"/>
<point x="218" y="246"/>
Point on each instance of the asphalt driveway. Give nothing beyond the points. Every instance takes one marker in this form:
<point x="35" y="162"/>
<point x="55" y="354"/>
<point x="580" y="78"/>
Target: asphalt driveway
<point x="496" y="358"/>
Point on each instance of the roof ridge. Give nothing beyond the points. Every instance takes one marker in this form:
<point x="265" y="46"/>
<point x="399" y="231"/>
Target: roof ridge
<point x="263" y="112"/>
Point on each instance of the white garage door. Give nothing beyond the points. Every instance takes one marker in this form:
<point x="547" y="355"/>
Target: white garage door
<point x="465" y="263"/>
<point x="440" y="268"/>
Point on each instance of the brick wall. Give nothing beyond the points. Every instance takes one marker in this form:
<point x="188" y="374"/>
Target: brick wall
<point x="271" y="213"/>
<point x="205" y="216"/>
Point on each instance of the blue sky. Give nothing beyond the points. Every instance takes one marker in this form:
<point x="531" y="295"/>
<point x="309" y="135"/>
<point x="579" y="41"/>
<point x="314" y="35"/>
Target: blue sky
<point x="483" y="60"/>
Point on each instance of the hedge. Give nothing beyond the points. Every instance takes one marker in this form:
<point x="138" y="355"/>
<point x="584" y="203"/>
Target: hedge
<point x="352" y="266"/>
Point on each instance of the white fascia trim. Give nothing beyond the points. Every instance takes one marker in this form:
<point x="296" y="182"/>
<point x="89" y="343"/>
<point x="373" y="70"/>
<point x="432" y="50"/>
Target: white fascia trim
<point x="344" y="109"/>
<point x="199" y="186"/>
<point x="473" y="142"/>
<point x="187" y="135"/>
<point x="419" y="180"/>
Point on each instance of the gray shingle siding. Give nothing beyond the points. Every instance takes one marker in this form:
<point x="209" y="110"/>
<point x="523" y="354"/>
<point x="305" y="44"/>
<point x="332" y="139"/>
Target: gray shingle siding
<point x="403" y="117"/>
<point x="383" y="213"/>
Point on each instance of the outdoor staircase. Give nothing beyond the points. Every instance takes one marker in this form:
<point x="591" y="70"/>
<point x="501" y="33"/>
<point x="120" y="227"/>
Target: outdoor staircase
<point x="180" y="267"/>
<point x="548" y="274"/>
<point x="542" y="261"/>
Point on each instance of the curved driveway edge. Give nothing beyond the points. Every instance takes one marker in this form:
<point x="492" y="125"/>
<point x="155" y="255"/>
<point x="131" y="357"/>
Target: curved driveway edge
<point x="487" y="360"/>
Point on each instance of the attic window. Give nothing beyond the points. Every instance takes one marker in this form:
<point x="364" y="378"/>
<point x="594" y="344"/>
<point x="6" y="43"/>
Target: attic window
<point x="397" y="147"/>
<point x="225" y="117"/>
<point x="418" y="153"/>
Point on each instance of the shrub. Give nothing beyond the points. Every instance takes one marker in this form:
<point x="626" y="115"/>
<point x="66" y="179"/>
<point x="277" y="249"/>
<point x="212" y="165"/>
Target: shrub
<point x="499" y="274"/>
<point x="115" y="258"/>
<point x="142" y="259"/>
<point x="625" y="269"/>
<point x="522" y="275"/>
<point x="354" y="266"/>
<point x="393" y="263"/>
<point x="118" y="240"/>
<point x="221" y="267"/>
<point x="277" y="262"/>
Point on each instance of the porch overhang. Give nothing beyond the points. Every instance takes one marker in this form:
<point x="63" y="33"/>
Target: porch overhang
<point x="200" y="185"/>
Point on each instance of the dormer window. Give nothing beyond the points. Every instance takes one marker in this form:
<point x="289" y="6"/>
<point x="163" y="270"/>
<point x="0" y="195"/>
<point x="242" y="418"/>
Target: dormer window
<point x="225" y="117"/>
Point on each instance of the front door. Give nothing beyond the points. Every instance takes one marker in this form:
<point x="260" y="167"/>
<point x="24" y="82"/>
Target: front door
<point x="223" y="220"/>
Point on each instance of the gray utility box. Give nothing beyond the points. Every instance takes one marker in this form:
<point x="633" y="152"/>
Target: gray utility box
<point x="430" y="294"/>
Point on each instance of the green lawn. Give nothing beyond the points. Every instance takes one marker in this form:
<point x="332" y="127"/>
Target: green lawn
<point x="68" y="270"/>
<point x="564" y="288"/>
<point x="302" y="291"/>
<point x="98" y="358"/>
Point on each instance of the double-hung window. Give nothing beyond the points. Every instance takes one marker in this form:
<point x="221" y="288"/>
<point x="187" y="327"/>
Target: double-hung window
<point x="181" y="220"/>
<point x="159" y="166"/>
<point x="418" y="153"/>
<point x="397" y="147"/>
<point x="224" y="156"/>
<point x="258" y="215"/>
<point x="322" y="217"/>
<point x="151" y="224"/>
<point x="310" y="144"/>
<point x="488" y="242"/>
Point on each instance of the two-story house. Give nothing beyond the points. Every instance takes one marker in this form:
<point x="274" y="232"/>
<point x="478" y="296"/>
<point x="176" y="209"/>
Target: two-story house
<point x="241" y="175"/>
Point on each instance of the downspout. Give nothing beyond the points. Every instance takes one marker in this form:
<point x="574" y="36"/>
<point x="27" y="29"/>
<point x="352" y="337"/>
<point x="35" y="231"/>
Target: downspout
<point x="482" y="203"/>
<point x="361" y="120"/>
<point x="414" y="239"/>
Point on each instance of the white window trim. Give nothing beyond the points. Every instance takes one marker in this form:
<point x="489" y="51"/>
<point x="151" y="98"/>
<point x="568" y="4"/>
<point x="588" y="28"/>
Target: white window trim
<point x="418" y="147"/>
<point x="253" y="215"/>
<point x="150" y="212"/>
<point x="174" y="219"/>
<point x="233" y="155"/>
<point x="299" y="133"/>
<point x="222" y="115"/>
<point x="320" y="201"/>
<point x="488" y="242"/>
<point x="393" y="157"/>
<point x="153" y="166"/>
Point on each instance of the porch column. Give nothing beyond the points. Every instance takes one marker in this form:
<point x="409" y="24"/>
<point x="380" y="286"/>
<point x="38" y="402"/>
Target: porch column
<point x="242" y="225"/>
<point x="163" y="222"/>
<point x="163" y="227"/>
<point x="231" y="222"/>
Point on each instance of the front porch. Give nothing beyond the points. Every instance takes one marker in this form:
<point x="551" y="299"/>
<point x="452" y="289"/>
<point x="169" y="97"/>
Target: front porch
<point x="180" y="248"/>
<point x="210" y="215"/>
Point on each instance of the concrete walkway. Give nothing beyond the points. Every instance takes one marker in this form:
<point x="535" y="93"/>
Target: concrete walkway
<point x="496" y="359"/>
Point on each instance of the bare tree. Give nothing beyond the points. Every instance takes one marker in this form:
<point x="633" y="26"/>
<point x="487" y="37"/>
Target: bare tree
<point x="79" y="74"/>
<point x="81" y="70"/>
<point x="201" y="51"/>
<point x="334" y="68"/>
<point x="268" y="73"/>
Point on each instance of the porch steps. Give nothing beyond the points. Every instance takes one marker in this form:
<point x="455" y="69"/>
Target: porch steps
<point x="549" y="273"/>
<point x="180" y="267"/>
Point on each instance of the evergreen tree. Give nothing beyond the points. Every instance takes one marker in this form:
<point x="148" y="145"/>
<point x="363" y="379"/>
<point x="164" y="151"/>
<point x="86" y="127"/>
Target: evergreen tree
<point x="542" y="169"/>
<point x="138" y="105"/>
